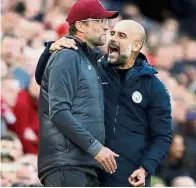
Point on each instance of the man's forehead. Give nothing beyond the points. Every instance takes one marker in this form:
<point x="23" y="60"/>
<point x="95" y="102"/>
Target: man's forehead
<point x="120" y="28"/>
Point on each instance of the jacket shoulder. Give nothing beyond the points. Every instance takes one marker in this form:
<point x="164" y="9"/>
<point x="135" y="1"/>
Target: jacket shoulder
<point x="158" y="90"/>
<point x="64" y="57"/>
<point x="157" y="84"/>
<point x="153" y="85"/>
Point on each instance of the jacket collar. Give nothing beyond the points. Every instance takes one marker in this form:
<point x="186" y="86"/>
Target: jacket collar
<point x="93" y="54"/>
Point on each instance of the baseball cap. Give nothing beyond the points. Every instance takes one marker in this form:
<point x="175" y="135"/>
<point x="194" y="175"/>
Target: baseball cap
<point x="85" y="9"/>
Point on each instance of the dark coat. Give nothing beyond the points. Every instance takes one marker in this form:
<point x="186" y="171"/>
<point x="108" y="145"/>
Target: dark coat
<point x="71" y="112"/>
<point x="137" y="119"/>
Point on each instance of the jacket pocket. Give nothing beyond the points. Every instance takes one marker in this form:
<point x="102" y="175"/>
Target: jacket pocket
<point x="69" y="145"/>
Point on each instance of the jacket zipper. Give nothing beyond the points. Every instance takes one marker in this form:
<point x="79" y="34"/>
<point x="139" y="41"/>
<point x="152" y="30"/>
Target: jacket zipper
<point x="116" y="114"/>
<point x="117" y="107"/>
<point x="115" y="120"/>
<point x="101" y="96"/>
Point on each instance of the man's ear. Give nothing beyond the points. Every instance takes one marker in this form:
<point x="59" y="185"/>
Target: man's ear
<point x="80" y="27"/>
<point x="137" y="46"/>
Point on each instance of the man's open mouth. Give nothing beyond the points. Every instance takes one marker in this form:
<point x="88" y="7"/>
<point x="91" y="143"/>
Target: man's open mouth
<point x="113" y="48"/>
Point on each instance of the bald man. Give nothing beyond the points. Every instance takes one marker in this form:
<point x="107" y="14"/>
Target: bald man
<point x="137" y="105"/>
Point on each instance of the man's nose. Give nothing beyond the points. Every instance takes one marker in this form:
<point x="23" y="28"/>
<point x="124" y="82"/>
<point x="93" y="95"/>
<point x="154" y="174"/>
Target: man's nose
<point x="105" y="27"/>
<point x="114" y="39"/>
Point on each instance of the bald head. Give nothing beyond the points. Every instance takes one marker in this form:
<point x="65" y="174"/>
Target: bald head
<point x="126" y="40"/>
<point x="133" y="29"/>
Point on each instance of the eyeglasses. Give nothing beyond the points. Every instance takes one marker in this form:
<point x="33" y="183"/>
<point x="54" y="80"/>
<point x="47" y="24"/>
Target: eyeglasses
<point x="102" y="21"/>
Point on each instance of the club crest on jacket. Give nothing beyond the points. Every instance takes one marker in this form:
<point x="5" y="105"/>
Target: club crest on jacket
<point x="137" y="97"/>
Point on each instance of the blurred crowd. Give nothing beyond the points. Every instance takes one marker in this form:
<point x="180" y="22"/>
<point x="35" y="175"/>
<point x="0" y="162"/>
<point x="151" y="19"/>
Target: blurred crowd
<point x="27" y="24"/>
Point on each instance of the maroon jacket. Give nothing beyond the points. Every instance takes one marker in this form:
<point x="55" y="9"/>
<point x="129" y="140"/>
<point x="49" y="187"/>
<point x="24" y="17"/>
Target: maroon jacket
<point x="26" y="112"/>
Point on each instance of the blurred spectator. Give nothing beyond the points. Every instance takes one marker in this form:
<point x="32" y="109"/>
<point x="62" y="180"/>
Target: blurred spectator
<point x="180" y="97"/>
<point x="169" y="31"/>
<point x="26" y="174"/>
<point x="64" y="5"/>
<point x="12" y="50"/>
<point x="176" y="164"/>
<point x="132" y="11"/>
<point x="7" y="5"/>
<point x="9" y="92"/>
<point x="183" y="181"/>
<point x="29" y="158"/>
<point x="27" y="125"/>
<point x="188" y="130"/>
<point x="11" y="148"/>
<point x="33" y="10"/>
<point x="165" y="56"/>
<point x="7" y="117"/>
<point x="9" y="21"/>
<point x="8" y="174"/>
<point x="31" y="56"/>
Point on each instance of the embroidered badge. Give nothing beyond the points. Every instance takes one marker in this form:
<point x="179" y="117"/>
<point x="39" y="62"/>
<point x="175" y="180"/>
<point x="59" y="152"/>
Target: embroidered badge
<point x="137" y="97"/>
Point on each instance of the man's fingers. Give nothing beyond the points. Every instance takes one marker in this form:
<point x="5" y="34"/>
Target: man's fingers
<point x="57" y="47"/>
<point x="113" y="161"/>
<point x="64" y="43"/>
<point x="67" y="45"/>
<point x="70" y="40"/>
<point x="112" y="165"/>
<point x="133" y="175"/>
<point x="105" y="167"/>
<point x="74" y="41"/>
<point x="66" y="40"/>
<point x="108" y="166"/>
<point x="136" y="184"/>
<point x="136" y="180"/>
<point x="139" y="183"/>
<point x="74" y="46"/>
<point x="131" y="181"/>
<point x="115" y="154"/>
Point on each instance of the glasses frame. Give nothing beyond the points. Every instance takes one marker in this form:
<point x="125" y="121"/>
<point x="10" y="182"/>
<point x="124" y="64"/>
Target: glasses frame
<point x="102" y="21"/>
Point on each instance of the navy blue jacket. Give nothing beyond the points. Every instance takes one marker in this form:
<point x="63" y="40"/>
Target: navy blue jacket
<point x="137" y="118"/>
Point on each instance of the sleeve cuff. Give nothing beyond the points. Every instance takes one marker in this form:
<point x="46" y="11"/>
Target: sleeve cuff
<point x="95" y="148"/>
<point x="148" y="169"/>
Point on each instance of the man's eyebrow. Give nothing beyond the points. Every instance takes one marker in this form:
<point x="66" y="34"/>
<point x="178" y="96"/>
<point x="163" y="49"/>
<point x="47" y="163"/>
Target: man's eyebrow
<point x="122" y="33"/>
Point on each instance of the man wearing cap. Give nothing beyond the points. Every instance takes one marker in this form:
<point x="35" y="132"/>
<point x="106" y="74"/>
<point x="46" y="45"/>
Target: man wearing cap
<point x="71" y="110"/>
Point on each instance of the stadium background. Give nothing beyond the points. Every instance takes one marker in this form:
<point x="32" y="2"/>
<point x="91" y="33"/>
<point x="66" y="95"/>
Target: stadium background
<point x="170" y="46"/>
